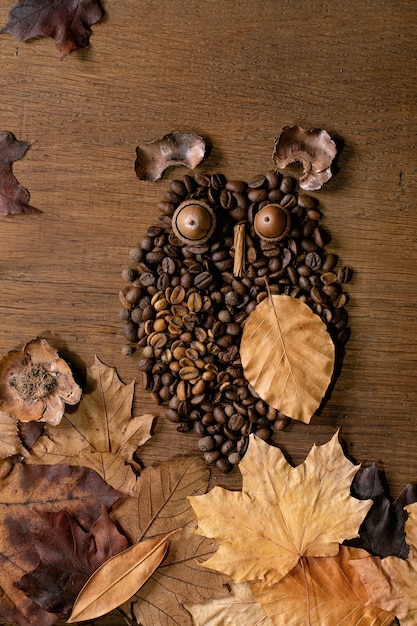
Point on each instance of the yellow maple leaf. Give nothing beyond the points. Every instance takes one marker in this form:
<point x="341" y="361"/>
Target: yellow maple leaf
<point x="392" y="582"/>
<point x="282" y="513"/>
<point x="321" y="591"/>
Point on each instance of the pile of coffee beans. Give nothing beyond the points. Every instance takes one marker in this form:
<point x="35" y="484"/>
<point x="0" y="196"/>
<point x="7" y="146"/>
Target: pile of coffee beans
<point x="185" y="309"/>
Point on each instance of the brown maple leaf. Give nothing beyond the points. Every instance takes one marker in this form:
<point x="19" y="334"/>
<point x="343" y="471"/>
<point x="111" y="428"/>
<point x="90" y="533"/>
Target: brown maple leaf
<point x="100" y="433"/>
<point x="161" y="505"/>
<point x="68" y="556"/>
<point x="392" y="582"/>
<point x="66" y="21"/>
<point x="24" y="493"/>
<point x="321" y="592"/>
<point x="14" y="198"/>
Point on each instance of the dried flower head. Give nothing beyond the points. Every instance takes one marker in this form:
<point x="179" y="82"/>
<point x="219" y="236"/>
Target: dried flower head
<point x="35" y="383"/>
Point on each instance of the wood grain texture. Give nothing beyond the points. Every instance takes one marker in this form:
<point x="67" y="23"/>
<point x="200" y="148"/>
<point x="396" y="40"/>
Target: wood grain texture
<point x="236" y="73"/>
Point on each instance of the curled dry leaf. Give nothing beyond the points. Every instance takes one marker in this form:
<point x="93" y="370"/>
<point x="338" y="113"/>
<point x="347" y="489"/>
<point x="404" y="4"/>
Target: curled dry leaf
<point x="66" y="21"/>
<point x="314" y="149"/>
<point x="100" y="433"/>
<point x="238" y="607"/>
<point x="287" y="355"/>
<point x="13" y="197"/>
<point x="321" y="592"/>
<point x="392" y="582"/>
<point x="177" y="148"/>
<point x="282" y="513"/>
<point x="114" y="582"/>
<point x="35" y="383"/>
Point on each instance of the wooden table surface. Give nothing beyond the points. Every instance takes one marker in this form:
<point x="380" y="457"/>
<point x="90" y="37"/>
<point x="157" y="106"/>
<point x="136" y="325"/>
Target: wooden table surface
<point x="236" y="73"/>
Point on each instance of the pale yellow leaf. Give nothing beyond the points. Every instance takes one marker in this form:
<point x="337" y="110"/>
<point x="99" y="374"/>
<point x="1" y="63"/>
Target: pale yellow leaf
<point x="323" y="591"/>
<point x="287" y="355"/>
<point x="239" y="607"/>
<point x="10" y="443"/>
<point x="119" y="578"/>
<point x="282" y="512"/>
<point x="392" y="582"/>
<point x="100" y="433"/>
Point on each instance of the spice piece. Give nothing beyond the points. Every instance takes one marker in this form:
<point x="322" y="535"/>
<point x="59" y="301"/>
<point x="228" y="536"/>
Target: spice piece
<point x="177" y="148"/>
<point x="35" y="383"/>
<point x="314" y="149"/>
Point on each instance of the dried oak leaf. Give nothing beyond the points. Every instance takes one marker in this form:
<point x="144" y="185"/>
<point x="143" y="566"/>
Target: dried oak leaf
<point x="68" y="555"/>
<point x="382" y="533"/>
<point x="13" y="197"/>
<point x="392" y="582"/>
<point x="66" y="21"/>
<point x="26" y="492"/>
<point x="321" y="592"/>
<point x="287" y="355"/>
<point x="239" y="607"/>
<point x="161" y="505"/>
<point x="35" y="383"/>
<point x="10" y="442"/>
<point x="100" y="433"/>
<point x="283" y="513"/>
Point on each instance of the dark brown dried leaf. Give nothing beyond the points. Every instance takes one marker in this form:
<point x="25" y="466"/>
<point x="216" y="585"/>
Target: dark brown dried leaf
<point x="66" y="21"/>
<point x="14" y="198"/>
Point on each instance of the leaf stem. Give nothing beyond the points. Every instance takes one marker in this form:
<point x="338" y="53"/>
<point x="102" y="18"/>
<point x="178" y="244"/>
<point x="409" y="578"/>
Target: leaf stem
<point x="303" y="567"/>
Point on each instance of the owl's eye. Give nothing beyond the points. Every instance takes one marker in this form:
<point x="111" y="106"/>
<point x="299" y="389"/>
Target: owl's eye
<point x="193" y="222"/>
<point x="272" y="222"/>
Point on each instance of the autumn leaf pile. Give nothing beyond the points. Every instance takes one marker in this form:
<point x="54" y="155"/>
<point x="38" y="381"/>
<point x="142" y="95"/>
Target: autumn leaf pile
<point x="83" y="531"/>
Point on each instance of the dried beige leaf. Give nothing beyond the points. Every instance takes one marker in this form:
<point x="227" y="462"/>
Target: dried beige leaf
<point x="282" y="512"/>
<point x="287" y="355"/>
<point x="9" y="437"/>
<point x="239" y="607"/>
<point x="392" y="582"/>
<point x="119" y="578"/>
<point x="321" y="592"/>
<point x="101" y="433"/>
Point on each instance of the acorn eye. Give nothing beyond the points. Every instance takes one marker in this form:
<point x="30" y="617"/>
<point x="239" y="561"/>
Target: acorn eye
<point x="272" y="222"/>
<point x="193" y="222"/>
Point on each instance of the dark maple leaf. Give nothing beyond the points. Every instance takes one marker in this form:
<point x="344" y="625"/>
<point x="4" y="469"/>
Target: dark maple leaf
<point x="66" y="21"/>
<point x="13" y="197"/>
<point x="27" y="492"/>
<point x="68" y="556"/>
<point x="382" y="531"/>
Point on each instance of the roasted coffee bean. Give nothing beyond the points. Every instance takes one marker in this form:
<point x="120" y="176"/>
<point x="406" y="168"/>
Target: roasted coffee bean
<point x="188" y="316"/>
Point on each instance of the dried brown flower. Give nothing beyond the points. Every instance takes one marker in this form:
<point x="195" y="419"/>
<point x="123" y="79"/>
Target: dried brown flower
<point x="35" y="383"/>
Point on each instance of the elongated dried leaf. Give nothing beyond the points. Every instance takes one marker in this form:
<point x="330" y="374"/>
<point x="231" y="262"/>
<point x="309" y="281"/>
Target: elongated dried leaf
<point x="119" y="578"/>
<point x="9" y="436"/>
<point x="287" y="356"/>
<point x="282" y="512"/>
<point x="321" y="592"/>
<point x="101" y="433"/>
<point x="14" y="198"/>
<point x="392" y="582"/>
<point x="238" y="607"/>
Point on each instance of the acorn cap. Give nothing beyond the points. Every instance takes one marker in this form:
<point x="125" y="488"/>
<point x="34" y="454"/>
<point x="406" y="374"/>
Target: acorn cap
<point x="272" y="222"/>
<point x="193" y="222"/>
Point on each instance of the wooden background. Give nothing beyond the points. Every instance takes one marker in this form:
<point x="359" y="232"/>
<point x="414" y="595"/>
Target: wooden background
<point x="236" y="73"/>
